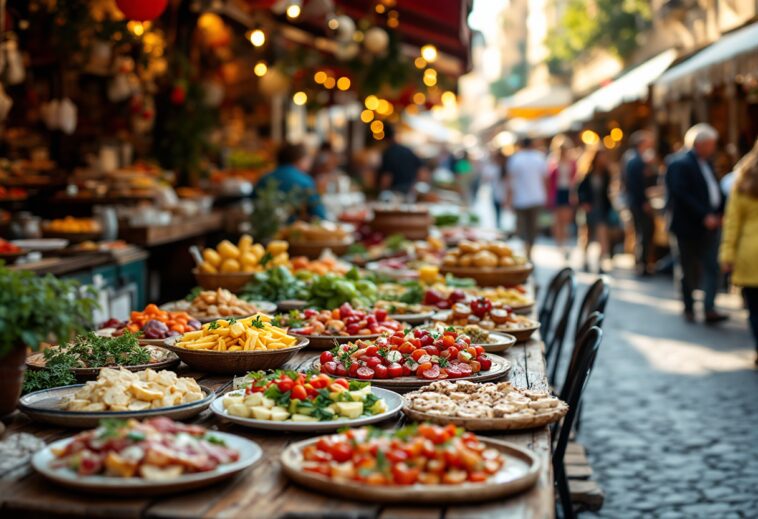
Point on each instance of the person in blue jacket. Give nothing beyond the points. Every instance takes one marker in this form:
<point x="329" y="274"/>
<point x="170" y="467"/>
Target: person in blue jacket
<point x="293" y="160"/>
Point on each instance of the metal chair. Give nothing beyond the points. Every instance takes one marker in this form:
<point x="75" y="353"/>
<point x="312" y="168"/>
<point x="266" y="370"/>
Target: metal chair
<point x="554" y="320"/>
<point x="594" y="300"/>
<point x="595" y="319"/>
<point x="586" y="353"/>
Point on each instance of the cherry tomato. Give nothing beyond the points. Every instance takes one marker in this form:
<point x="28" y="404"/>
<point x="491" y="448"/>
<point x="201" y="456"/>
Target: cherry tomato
<point x="326" y="356"/>
<point x="380" y="314"/>
<point x="342" y="382"/>
<point x="431" y="350"/>
<point x="406" y="348"/>
<point x="479" y="350"/>
<point x="430" y="373"/>
<point x="341" y="452"/>
<point x="299" y="392"/>
<point x="405" y="475"/>
<point x="395" y="370"/>
<point x="340" y="371"/>
<point x="485" y="362"/>
<point x="373" y="362"/>
<point x="475" y="366"/>
<point x="285" y="384"/>
<point x="371" y="350"/>
<point x="353" y="371"/>
<point x="465" y="369"/>
<point x="329" y="367"/>
<point x="417" y="354"/>
<point x="365" y="373"/>
<point x="453" y="371"/>
<point x="381" y="371"/>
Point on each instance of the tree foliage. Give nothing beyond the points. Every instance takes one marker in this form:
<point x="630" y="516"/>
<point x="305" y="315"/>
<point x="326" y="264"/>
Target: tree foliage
<point x="584" y="25"/>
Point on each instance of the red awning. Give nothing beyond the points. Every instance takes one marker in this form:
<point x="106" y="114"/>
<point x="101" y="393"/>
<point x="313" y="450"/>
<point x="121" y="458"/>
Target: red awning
<point x="443" y="23"/>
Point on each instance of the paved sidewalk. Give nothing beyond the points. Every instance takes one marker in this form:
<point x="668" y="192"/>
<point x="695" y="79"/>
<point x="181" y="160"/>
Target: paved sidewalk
<point x="671" y="412"/>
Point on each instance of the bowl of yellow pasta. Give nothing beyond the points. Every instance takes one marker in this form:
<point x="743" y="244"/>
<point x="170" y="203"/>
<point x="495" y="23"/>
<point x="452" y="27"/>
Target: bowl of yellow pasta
<point x="236" y="346"/>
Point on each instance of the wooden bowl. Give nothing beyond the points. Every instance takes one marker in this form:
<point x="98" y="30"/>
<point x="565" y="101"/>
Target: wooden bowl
<point x="506" y="423"/>
<point x="235" y="362"/>
<point x="232" y="281"/>
<point x="522" y="334"/>
<point x="492" y="277"/>
<point x="313" y="249"/>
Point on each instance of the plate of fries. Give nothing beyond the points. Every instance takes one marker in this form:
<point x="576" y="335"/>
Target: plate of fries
<point x="237" y="345"/>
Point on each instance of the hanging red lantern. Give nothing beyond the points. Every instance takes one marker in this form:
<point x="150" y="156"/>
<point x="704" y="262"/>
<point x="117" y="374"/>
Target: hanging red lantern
<point x="142" y="10"/>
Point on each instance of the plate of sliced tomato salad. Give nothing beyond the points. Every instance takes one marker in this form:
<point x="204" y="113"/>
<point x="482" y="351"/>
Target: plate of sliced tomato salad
<point x="421" y="463"/>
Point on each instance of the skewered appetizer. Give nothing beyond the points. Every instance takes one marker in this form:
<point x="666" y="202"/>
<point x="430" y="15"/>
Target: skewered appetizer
<point x="486" y="314"/>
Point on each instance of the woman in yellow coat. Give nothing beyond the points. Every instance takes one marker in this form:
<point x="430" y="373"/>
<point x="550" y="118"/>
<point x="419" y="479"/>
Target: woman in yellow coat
<point x="739" y="247"/>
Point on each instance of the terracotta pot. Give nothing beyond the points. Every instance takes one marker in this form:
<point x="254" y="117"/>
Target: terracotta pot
<point x="11" y="378"/>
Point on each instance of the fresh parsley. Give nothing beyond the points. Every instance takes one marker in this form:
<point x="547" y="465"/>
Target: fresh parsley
<point x="213" y="325"/>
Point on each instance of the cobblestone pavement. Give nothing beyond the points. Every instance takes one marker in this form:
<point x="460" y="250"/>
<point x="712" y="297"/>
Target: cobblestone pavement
<point x="671" y="411"/>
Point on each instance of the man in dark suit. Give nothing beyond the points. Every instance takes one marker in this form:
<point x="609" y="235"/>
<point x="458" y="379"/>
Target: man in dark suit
<point x="637" y="178"/>
<point x="695" y="206"/>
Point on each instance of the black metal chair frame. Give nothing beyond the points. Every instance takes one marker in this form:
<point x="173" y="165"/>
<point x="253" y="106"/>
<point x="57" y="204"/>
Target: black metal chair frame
<point x="585" y="358"/>
<point x="594" y="300"/>
<point x="553" y="334"/>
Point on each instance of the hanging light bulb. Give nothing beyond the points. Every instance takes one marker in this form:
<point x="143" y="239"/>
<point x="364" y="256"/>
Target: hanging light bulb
<point x="257" y="38"/>
<point x="293" y="11"/>
<point x="343" y="83"/>
<point x="300" y="98"/>
<point x="260" y="69"/>
<point x="429" y="53"/>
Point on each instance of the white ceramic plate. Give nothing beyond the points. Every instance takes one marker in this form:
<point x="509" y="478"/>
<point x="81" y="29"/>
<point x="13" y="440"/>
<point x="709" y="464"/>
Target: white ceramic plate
<point x="45" y="406"/>
<point x="42" y="244"/>
<point x="520" y="472"/>
<point x="249" y="451"/>
<point x="393" y="400"/>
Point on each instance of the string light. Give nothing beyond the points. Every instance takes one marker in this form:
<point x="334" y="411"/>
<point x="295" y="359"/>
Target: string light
<point x="260" y="69"/>
<point x="609" y="142"/>
<point x="420" y="62"/>
<point x="377" y="126"/>
<point x="343" y="83"/>
<point x="333" y="24"/>
<point x="257" y="38"/>
<point x="379" y="136"/>
<point x="137" y="28"/>
<point x="589" y="137"/>
<point x="372" y="102"/>
<point x="617" y="135"/>
<point x="329" y="82"/>
<point x="429" y="53"/>
<point x="430" y="77"/>
<point x="384" y="107"/>
<point x="319" y="77"/>
<point x="419" y="98"/>
<point x="367" y="116"/>
<point x="380" y="8"/>
<point x="448" y="98"/>
<point x="293" y="11"/>
<point x="300" y="98"/>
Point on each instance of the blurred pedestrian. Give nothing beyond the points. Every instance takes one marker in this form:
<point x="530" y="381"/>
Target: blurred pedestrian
<point x="399" y="169"/>
<point x="493" y="174"/>
<point x="562" y="174"/>
<point x="290" y="177"/>
<point x="327" y="173"/>
<point x="739" y="248"/>
<point x="638" y="176"/>
<point x="593" y="193"/>
<point x="465" y="178"/>
<point x="526" y="190"/>
<point x="695" y="205"/>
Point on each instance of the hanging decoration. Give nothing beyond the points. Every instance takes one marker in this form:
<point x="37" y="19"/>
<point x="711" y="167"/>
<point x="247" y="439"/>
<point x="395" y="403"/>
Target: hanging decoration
<point x="376" y="40"/>
<point x="142" y="10"/>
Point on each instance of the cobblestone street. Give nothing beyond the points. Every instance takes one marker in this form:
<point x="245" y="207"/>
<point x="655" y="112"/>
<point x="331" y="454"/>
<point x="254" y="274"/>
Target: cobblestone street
<point x="671" y="414"/>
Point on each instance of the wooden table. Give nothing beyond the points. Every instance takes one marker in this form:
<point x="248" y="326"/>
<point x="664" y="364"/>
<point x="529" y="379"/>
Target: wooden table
<point x="264" y="492"/>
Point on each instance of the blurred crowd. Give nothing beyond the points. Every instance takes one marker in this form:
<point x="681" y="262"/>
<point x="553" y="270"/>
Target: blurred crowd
<point x="675" y="211"/>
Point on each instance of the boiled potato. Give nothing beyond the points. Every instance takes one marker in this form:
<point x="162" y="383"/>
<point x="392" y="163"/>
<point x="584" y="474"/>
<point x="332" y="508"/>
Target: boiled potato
<point x="485" y="258"/>
<point x="212" y="257"/>
<point x="230" y="265"/>
<point x="228" y="250"/>
<point x="207" y="268"/>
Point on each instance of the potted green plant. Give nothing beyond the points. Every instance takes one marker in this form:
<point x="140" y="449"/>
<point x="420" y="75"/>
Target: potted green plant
<point x="34" y="309"/>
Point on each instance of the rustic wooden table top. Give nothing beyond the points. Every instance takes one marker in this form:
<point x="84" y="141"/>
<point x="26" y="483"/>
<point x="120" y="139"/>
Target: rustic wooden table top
<point x="263" y="491"/>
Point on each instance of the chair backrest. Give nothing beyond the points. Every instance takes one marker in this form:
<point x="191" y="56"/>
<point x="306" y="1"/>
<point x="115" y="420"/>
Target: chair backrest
<point x="588" y="349"/>
<point x="554" y="320"/>
<point x="594" y="300"/>
<point x="595" y="319"/>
